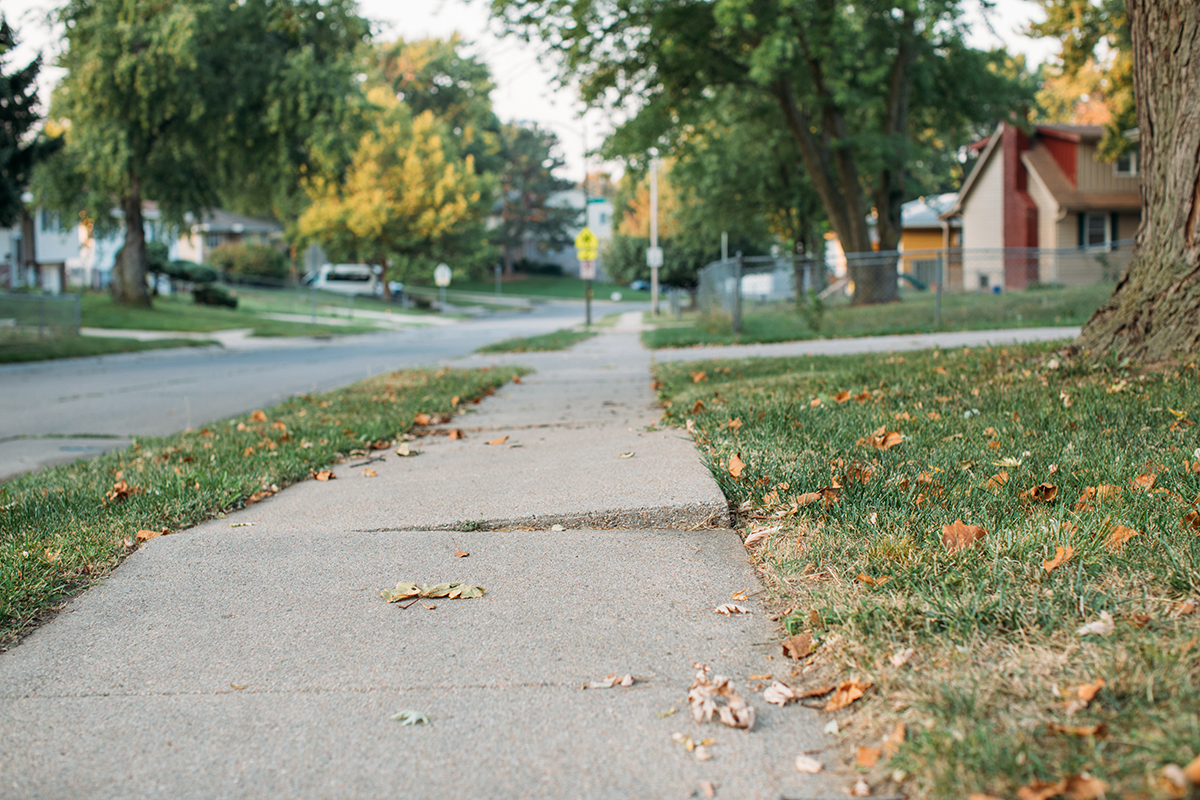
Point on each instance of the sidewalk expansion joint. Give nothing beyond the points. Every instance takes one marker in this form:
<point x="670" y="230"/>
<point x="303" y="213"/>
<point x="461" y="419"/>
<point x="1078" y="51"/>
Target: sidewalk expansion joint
<point x="689" y="517"/>
<point x="430" y="687"/>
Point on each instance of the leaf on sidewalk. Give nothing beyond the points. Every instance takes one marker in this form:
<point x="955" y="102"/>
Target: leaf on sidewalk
<point x="808" y="765"/>
<point x="798" y="646"/>
<point x="370" y="473"/>
<point x="455" y="433"/>
<point x="717" y="695"/>
<point x="731" y="608"/>
<point x="501" y="440"/>
<point x="612" y="680"/>
<point x="846" y="693"/>
<point x="325" y="475"/>
<point x="868" y="757"/>
<point x="406" y="590"/>
<point x="411" y="717"/>
<point x="778" y="694"/>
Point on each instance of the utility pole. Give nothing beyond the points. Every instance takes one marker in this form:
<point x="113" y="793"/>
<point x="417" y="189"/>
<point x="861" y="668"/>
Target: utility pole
<point x="654" y="256"/>
<point x="587" y="284"/>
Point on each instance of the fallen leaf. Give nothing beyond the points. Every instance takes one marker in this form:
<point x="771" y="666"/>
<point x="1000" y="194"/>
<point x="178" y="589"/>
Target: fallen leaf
<point x="1041" y="790"/>
<point x="411" y="718"/>
<point x="717" y="695"/>
<point x="895" y="740"/>
<point x="1118" y="536"/>
<point x="902" y="415"/>
<point x="1144" y="482"/>
<point x="934" y="416"/>
<point x="778" y="694"/>
<point x="734" y="424"/>
<point x="1087" y="691"/>
<point x="1066" y="399"/>
<point x="1101" y="627"/>
<point x="422" y="419"/>
<point x="258" y="416"/>
<point x="808" y="765"/>
<point x="862" y="398"/>
<point x="814" y="403"/>
<point x="861" y="789"/>
<point x="698" y="407"/>
<point x="882" y="439"/>
<point x="841" y="397"/>
<point x="708" y="789"/>
<point x="699" y="376"/>
<point x="997" y="481"/>
<point x="900" y="659"/>
<point x="429" y="607"/>
<point x="869" y="581"/>
<point x="820" y="691"/>
<point x="630" y="454"/>
<point x="1192" y="771"/>
<point x="1042" y="493"/>
<point x="369" y="473"/>
<point x="1191" y="520"/>
<point x="454" y="400"/>
<point x="1099" y="730"/>
<point x="798" y="646"/>
<point x="237" y="686"/>
<point x="731" y="608"/>
<point x="610" y="681"/>
<point x="1185" y="608"/>
<point x="868" y="757"/>
<point x="455" y="591"/>
<point x="1061" y="556"/>
<point x="701" y="754"/>
<point x="1100" y="494"/>
<point x="846" y="693"/>
<point x="980" y="796"/>
<point x="760" y="535"/>
<point x="736" y="465"/>
<point x="959" y="536"/>
<point x="122" y="491"/>
<point x="501" y="440"/>
<point x="1084" y="787"/>
<point x="456" y="434"/>
<point x="325" y="475"/>
<point x="144" y="536"/>
<point x="404" y="451"/>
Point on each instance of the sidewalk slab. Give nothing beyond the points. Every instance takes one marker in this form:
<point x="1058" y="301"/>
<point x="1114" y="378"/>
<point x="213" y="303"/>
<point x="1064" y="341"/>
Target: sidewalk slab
<point x="259" y="660"/>
<point x="869" y="344"/>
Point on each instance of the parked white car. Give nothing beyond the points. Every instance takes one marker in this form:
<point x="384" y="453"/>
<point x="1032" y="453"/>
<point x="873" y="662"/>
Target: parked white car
<point x="347" y="279"/>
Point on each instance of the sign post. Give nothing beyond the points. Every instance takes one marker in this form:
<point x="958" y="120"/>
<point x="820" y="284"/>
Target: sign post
<point x="441" y="276"/>
<point x="585" y="249"/>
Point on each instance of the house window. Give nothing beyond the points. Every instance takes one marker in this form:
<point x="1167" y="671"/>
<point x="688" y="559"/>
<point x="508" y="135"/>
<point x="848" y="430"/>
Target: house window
<point x="1127" y="164"/>
<point x="213" y="240"/>
<point x="1095" y="230"/>
<point x="50" y="222"/>
<point x="983" y="280"/>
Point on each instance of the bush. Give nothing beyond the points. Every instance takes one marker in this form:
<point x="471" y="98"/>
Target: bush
<point x="190" y="271"/>
<point x="252" y="260"/>
<point x="212" y="294"/>
<point x="538" y="267"/>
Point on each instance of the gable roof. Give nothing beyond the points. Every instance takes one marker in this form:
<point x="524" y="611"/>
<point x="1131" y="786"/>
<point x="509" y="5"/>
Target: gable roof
<point x="1044" y="168"/>
<point x="969" y="184"/>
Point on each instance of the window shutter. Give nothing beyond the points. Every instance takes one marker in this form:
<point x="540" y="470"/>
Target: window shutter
<point x="1082" y="229"/>
<point x="1114" y="225"/>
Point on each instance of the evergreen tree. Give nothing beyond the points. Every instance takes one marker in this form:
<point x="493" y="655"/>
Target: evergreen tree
<point x="20" y="149"/>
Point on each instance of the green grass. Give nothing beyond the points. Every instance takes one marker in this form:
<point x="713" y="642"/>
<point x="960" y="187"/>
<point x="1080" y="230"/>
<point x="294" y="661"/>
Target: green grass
<point x="179" y="313"/>
<point x="299" y="301"/>
<point x="996" y="654"/>
<point x="913" y="314"/>
<point x="558" y="340"/>
<point x="59" y="532"/>
<point x="19" y="350"/>
<point x="549" y="286"/>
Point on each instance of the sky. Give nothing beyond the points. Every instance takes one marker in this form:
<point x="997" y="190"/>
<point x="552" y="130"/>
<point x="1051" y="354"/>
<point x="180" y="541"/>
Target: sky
<point x="526" y="89"/>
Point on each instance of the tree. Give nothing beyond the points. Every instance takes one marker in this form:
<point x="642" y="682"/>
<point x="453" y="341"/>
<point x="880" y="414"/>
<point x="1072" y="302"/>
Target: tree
<point x="1154" y="314"/>
<point x="527" y="183"/>
<point x="181" y="102"/>
<point x="406" y="199"/>
<point x="861" y="87"/>
<point x="19" y="148"/>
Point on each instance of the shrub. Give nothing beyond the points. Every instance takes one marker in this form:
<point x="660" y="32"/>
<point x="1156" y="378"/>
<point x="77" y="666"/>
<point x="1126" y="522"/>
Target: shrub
<point x="212" y="294"/>
<point x="252" y="260"/>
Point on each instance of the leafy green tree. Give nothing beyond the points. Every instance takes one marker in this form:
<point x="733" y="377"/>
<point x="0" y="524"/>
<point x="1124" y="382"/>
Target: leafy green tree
<point x="188" y="101"/>
<point x="19" y="149"/>
<point x="859" y="86"/>
<point x="527" y="182"/>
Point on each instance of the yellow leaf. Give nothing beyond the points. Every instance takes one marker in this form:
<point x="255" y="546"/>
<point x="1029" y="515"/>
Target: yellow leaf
<point x="1061" y="556"/>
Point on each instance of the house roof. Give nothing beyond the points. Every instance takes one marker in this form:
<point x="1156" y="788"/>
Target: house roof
<point x="1073" y="133"/>
<point x="926" y="212"/>
<point x="1043" y="167"/>
<point x="969" y="184"/>
<point x="220" y="221"/>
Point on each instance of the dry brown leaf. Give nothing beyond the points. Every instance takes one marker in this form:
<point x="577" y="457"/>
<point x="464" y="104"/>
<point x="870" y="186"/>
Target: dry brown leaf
<point x="841" y="397"/>
<point x="882" y="439"/>
<point x="778" y="694"/>
<point x="1192" y="771"/>
<point x="902" y="415"/>
<point x="258" y="416"/>
<point x="708" y="788"/>
<point x="798" y="646"/>
<point x="731" y="608"/>
<point x="869" y="581"/>
<point x="990" y="433"/>
<point x="1118" y="536"/>
<point x="501" y="440"/>
<point x="959" y="536"/>
<point x="1184" y="609"/>
<point x="934" y="416"/>
<point x="1087" y="691"/>
<point x="369" y="473"/>
<point x="846" y="693"/>
<point x="1042" y="493"/>
<point x="122" y="490"/>
<point x="734" y="424"/>
<point x="808" y="765"/>
<point x="814" y="403"/>
<point x="698" y="406"/>
<point x="820" y="691"/>
<point x="863" y="397"/>
<point x="706" y="696"/>
<point x="1100" y="494"/>
<point x="144" y="536"/>
<point x="1041" y="790"/>
<point x="1144" y="482"/>
<point x="456" y="434"/>
<point x="868" y="757"/>
<point x="1099" y="731"/>
<point x="460" y="553"/>
<point x="894" y="740"/>
<point x="422" y="419"/>
<point x="736" y="465"/>
<point x="699" y="376"/>
<point x="1191" y="520"/>
<point x="1061" y="556"/>
<point x="325" y="475"/>
<point x="980" y="796"/>
<point x="997" y="481"/>
<point x="1084" y="787"/>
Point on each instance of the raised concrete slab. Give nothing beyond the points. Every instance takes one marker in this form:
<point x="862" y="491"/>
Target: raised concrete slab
<point x="259" y="660"/>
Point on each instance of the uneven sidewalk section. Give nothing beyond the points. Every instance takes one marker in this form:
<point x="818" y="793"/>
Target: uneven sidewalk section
<point x="252" y="656"/>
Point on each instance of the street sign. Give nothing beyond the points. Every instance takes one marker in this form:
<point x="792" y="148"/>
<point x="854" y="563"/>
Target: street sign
<point x="654" y="257"/>
<point x="587" y="269"/>
<point x="441" y="275"/>
<point x="586" y="244"/>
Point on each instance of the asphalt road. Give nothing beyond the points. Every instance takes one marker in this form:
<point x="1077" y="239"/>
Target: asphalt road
<point x="56" y="411"/>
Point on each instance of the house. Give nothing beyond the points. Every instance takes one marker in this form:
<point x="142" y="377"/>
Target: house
<point x="55" y="250"/>
<point x="599" y="217"/>
<point x="1045" y="189"/>
<point x="925" y="237"/>
<point x="219" y="227"/>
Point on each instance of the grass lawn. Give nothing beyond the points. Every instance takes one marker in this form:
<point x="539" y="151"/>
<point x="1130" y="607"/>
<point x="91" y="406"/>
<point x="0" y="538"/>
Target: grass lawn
<point x="18" y="350"/>
<point x="913" y="314"/>
<point x="299" y="301"/>
<point x="67" y="526"/>
<point x="558" y="340"/>
<point x="1083" y="480"/>
<point x="549" y="286"/>
<point x="179" y="313"/>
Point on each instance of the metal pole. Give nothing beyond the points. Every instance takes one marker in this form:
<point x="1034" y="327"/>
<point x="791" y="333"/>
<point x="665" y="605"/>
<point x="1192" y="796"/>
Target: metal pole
<point x="497" y="280"/>
<point x="78" y="312"/>
<point x="654" y="233"/>
<point x="937" y="302"/>
<point x="312" y="295"/>
<point x="588" y="288"/>
<point x="737" y="293"/>
<point x="442" y="295"/>
<point x="724" y="245"/>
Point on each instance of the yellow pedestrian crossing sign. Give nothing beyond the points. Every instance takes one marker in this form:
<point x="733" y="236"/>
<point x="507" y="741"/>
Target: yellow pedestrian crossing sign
<point x="586" y="244"/>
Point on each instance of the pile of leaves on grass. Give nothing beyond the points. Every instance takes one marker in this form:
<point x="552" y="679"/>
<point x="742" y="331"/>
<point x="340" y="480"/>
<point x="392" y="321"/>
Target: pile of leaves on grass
<point x="1003" y="544"/>
<point x="558" y="340"/>
<point x="67" y="525"/>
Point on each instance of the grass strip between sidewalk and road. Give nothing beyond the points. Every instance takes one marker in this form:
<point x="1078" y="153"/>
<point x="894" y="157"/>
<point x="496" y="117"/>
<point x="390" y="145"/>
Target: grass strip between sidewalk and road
<point x="66" y="526"/>
<point x="558" y="340"/>
<point x="14" y="351"/>
<point x="781" y="322"/>
<point x="1083" y="481"/>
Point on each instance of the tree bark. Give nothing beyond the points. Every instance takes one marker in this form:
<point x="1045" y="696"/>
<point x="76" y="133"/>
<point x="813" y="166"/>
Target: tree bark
<point x="129" y="273"/>
<point x="1154" y="314"/>
<point x="28" y="268"/>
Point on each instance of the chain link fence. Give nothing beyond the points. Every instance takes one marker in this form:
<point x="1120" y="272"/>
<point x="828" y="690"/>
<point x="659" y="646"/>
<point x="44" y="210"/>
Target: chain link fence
<point x="38" y="316"/>
<point x="729" y="286"/>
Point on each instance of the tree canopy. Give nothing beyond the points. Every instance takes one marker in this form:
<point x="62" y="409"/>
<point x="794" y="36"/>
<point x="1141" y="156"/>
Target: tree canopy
<point x="20" y="150"/>
<point x="527" y="185"/>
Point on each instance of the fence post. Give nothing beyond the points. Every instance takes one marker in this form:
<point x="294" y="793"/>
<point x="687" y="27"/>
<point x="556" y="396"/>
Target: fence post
<point x="312" y="300"/>
<point x="737" y="292"/>
<point x="937" y="302"/>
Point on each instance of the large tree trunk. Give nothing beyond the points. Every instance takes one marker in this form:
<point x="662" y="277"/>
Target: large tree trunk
<point x="129" y="273"/>
<point x="1154" y="314"/>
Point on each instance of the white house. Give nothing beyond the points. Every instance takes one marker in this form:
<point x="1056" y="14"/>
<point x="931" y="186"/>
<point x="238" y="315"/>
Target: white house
<point x="55" y="251"/>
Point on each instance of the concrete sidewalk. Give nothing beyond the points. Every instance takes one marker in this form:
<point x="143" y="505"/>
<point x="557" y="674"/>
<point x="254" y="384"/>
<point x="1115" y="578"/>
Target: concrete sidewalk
<point x="259" y="660"/>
